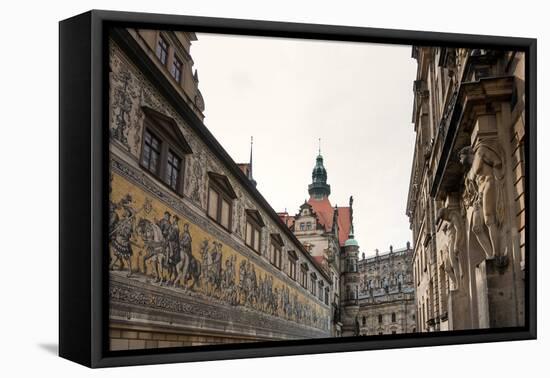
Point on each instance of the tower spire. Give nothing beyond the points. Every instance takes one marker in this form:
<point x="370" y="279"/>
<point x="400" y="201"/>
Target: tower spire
<point x="251" y="145"/>
<point x="319" y="188"/>
<point x="250" y="177"/>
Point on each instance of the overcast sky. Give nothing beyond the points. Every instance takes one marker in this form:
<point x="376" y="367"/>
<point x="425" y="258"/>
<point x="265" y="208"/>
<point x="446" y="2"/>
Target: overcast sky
<point x="287" y="93"/>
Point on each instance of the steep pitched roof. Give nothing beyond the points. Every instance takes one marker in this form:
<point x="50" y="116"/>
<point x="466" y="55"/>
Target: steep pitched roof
<point x="344" y="224"/>
<point x="325" y="214"/>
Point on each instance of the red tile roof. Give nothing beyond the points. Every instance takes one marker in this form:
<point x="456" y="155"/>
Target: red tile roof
<point x="287" y="219"/>
<point x="325" y="214"/>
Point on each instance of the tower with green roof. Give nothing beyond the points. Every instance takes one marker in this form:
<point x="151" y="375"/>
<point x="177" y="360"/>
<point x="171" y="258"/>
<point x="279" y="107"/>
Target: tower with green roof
<point x="319" y="189"/>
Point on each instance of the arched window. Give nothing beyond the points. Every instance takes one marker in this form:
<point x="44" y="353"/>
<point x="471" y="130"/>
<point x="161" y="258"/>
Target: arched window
<point x="380" y="319"/>
<point x="364" y="320"/>
<point x="393" y="317"/>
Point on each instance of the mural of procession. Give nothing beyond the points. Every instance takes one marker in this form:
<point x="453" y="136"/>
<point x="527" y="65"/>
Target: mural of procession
<point x="155" y="244"/>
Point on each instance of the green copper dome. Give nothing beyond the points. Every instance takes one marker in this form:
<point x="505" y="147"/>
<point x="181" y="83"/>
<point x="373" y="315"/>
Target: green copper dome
<point x="319" y="188"/>
<point x="351" y="242"/>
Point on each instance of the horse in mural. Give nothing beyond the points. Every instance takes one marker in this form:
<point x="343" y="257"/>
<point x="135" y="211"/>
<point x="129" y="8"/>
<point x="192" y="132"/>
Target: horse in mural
<point x="188" y="266"/>
<point x="154" y="242"/>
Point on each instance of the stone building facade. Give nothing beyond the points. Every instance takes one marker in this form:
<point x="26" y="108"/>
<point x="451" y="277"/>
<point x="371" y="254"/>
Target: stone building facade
<point x="197" y="255"/>
<point x="386" y="293"/>
<point x="323" y="229"/>
<point x="466" y="200"/>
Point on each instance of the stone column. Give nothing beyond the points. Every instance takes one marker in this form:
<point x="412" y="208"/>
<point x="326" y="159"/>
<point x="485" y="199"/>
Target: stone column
<point x="493" y="279"/>
<point x="495" y="295"/>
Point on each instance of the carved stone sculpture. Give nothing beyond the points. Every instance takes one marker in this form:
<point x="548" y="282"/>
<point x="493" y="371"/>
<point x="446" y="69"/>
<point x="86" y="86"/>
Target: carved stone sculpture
<point x="454" y="229"/>
<point x="484" y="194"/>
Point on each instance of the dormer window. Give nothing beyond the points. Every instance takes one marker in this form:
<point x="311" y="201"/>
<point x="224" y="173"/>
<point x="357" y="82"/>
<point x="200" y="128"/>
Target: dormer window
<point x="162" y="50"/>
<point x="254" y="224"/>
<point x="163" y="149"/>
<point x="220" y="199"/>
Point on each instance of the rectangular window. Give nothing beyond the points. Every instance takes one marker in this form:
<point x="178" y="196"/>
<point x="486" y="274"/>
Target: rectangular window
<point x="172" y="170"/>
<point x="326" y="295"/>
<point x="219" y="207"/>
<point x="163" y="148"/>
<point x="213" y="203"/>
<point x="176" y="69"/>
<point x="275" y="252"/>
<point x="257" y="240"/>
<point x="249" y="231"/>
<point x="225" y="213"/>
<point x="253" y="235"/>
<point x="291" y="266"/>
<point x="162" y="50"/>
<point x="303" y="278"/>
<point x="302" y="226"/>
<point x="150" y="157"/>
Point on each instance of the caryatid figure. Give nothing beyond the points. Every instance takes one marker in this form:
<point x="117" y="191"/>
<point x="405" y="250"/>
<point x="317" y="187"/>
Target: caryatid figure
<point x="454" y="229"/>
<point x="484" y="192"/>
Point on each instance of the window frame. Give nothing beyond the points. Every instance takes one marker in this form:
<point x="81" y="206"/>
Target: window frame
<point x="313" y="285"/>
<point x="256" y="223"/>
<point x="175" y="60"/>
<point x="221" y="197"/>
<point x="276" y="245"/>
<point x="171" y="141"/>
<point x="158" y="47"/>
<point x="222" y="187"/>
<point x="304" y="268"/>
<point x="292" y="265"/>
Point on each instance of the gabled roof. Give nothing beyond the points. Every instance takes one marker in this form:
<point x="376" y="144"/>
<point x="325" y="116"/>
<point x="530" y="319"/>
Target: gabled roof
<point x="325" y="214"/>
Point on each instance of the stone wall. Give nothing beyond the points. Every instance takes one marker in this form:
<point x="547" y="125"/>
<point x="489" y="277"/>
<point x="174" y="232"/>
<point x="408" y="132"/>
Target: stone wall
<point x="466" y="199"/>
<point x="386" y="289"/>
<point x="230" y="292"/>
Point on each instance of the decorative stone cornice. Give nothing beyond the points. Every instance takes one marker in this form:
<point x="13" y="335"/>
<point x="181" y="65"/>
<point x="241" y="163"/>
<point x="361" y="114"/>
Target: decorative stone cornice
<point x="473" y="99"/>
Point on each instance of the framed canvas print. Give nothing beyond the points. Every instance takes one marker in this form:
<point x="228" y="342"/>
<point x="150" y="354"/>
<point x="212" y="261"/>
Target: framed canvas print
<point x="234" y="188"/>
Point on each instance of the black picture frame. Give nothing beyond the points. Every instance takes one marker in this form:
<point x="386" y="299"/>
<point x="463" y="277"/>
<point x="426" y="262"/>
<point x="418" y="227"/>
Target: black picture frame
<point x="83" y="181"/>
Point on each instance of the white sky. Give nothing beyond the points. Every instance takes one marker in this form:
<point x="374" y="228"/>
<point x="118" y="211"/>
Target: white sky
<point x="287" y="93"/>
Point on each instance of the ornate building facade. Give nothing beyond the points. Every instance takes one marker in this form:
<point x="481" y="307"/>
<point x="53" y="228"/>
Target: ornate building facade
<point x="371" y="296"/>
<point x="324" y="229"/>
<point x="197" y="255"/>
<point x="386" y="293"/>
<point x="466" y="197"/>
